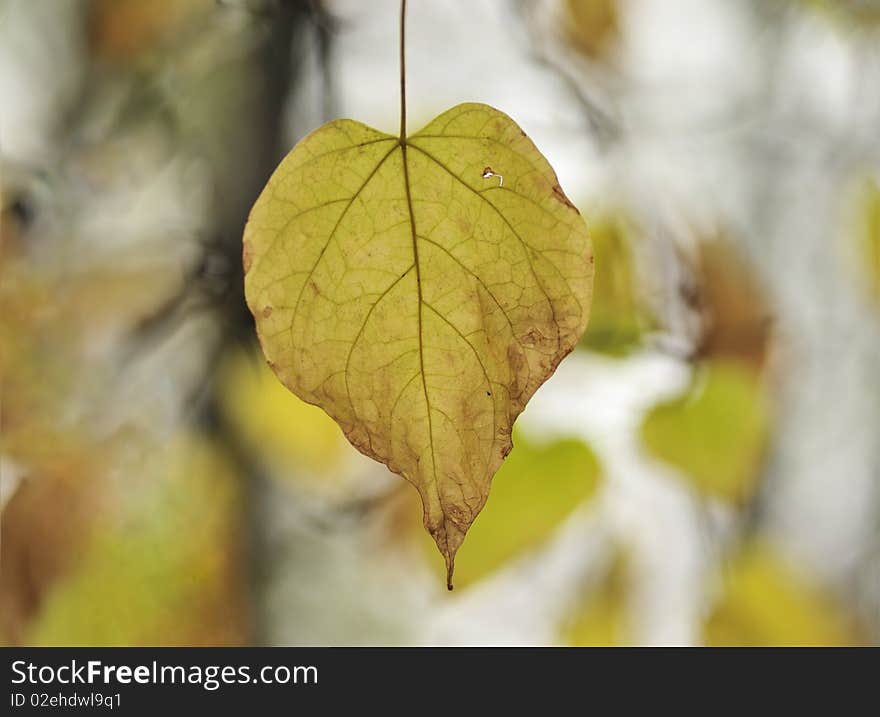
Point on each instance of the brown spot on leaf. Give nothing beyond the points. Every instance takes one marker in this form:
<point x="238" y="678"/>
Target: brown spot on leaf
<point x="247" y="256"/>
<point x="560" y="196"/>
<point x="533" y="337"/>
<point x="515" y="359"/>
<point x="267" y="312"/>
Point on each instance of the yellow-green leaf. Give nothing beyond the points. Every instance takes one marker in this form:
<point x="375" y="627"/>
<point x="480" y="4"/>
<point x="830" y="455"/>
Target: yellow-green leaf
<point x="716" y="432"/>
<point x="763" y="602"/>
<point x="420" y="291"/>
<point x="618" y="316"/>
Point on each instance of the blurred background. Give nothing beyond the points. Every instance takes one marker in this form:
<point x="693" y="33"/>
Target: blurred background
<point x="704" y="469"/>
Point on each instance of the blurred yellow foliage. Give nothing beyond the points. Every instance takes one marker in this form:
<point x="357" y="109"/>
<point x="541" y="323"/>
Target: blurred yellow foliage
<point x="618" y="316"/>
<point x="34" y="381"/>
<point x="601" y="619"/>
<point x="162" y="568"/>
<point x="715" y="433"/>
<point x="593" y="26"/>
<point x="764" y="603"/>
<point x="276" y="426"/>
<point x="536" y="488"/>
<point x="849" y="13"/>
<point x="868" y="235"/>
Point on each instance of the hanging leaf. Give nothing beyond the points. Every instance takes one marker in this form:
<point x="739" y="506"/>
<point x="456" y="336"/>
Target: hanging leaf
<point x="420" y="291"/>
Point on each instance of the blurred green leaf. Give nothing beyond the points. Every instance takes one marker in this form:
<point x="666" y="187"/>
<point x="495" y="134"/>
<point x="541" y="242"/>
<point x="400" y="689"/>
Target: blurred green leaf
<point x="618" y="317"/>
<point x="716" y="432"/>
<point x="537" y="487"/>
<point x="764" y="603"/>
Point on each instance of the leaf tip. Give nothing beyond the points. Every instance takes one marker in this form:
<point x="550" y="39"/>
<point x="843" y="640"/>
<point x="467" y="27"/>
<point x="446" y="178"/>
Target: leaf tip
<point x="450" y="569"/>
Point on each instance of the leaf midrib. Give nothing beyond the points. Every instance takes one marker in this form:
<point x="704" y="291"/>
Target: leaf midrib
<point x="415" y="246"/>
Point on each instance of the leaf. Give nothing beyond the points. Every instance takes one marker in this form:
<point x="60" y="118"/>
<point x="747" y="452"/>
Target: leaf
<point x="765" y="603"/>
<point x="537" y="488"/>
<point x="716" y="433"/>
<point x="420" y="292"/>
<point x="618" y="317"/>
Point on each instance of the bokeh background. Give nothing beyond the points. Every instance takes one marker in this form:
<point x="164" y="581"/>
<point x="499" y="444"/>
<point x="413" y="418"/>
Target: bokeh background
<point x="704" y="469"/>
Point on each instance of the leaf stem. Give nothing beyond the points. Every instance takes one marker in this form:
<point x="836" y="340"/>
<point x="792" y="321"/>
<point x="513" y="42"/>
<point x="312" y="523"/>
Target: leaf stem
<point x="402" y="72"/>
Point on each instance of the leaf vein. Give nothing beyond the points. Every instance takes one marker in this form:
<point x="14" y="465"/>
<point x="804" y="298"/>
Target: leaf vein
<point x="525" y="244"/>
<point x="332" y="234"/>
